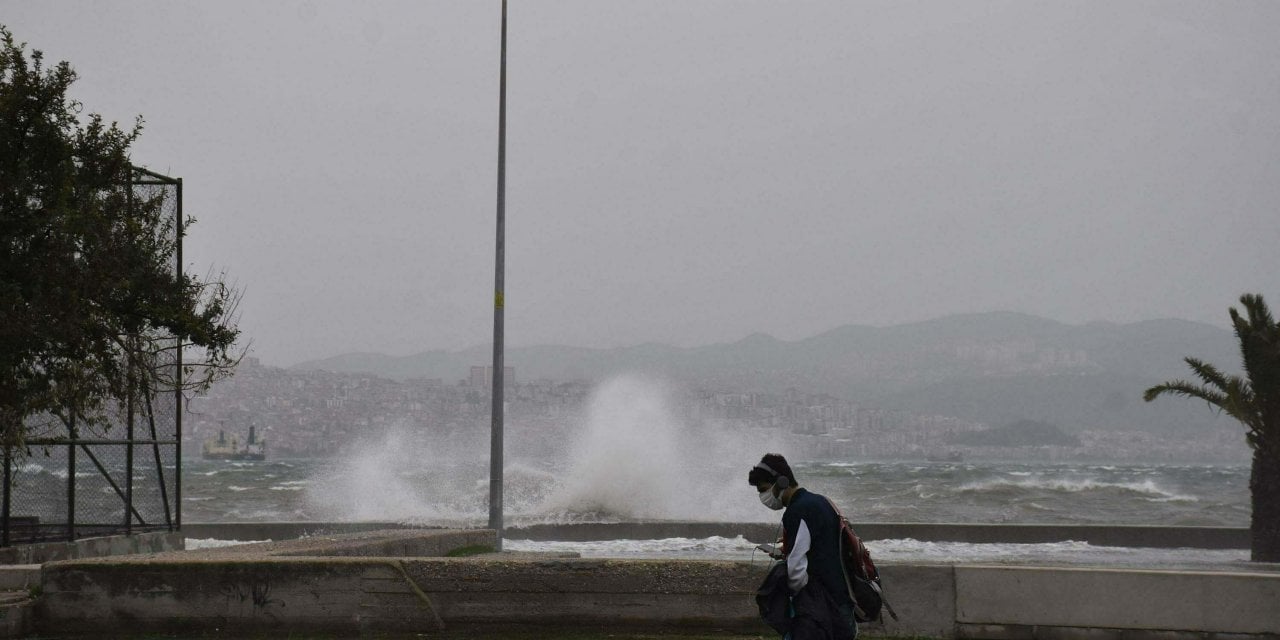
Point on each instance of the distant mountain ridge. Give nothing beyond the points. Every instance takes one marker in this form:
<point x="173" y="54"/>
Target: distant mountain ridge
<point x="996" y="367"/>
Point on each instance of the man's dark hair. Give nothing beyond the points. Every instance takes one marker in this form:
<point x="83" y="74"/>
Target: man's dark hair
<point x="775" y="462"/>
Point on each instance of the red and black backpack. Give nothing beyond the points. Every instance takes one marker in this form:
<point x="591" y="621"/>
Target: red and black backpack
<point x="860" y="575"/>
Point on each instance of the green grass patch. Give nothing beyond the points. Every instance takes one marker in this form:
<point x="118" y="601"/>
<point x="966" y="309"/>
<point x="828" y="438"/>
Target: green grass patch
<point x="472" y="550"/>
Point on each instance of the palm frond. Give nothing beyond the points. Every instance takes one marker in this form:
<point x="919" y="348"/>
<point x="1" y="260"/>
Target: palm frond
<point x="1259" y="315"/>
<point x="1260" y="352"/>
<point x="1209" y="373"/>
<point x="1187" y="390"/>
<point x="1253" y="399"/>
<point x="1242" y="404"/>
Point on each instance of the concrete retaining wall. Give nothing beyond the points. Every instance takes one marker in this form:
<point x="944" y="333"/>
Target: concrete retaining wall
<point x="1012" y="602"/>
<point x="91" y="548"/>
<point x="280" y="530"/>
<point x="336" y="595"/>
<point x="340" y="583"/>
<point x="357" y="595"/>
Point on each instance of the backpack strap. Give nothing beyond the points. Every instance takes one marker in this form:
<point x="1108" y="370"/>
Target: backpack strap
<point x="840" y="537"/>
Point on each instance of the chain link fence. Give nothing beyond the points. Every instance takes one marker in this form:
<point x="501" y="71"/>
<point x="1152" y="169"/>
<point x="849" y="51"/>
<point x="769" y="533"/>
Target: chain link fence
<point x="71" y="482"/>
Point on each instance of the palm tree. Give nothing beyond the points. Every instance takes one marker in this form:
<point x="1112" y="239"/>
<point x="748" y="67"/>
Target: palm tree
<point x="1254" y="400"/>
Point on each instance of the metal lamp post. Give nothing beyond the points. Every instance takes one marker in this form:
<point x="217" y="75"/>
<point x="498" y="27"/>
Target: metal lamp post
<point x="495" y="440"/>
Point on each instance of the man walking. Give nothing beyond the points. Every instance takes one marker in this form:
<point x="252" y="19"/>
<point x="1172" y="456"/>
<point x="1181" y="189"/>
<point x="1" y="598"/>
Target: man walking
<point x="819" y="593"/>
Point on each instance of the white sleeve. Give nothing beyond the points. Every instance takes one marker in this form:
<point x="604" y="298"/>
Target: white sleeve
<point x="798" y="559"/>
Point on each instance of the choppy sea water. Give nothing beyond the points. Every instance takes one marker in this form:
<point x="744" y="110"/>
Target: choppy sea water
<point x="979" y="492"/>
<point x="1068" y="553"/>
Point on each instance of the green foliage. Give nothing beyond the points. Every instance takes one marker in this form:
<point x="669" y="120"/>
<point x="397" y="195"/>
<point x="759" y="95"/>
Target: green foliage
<point x="89" y="298"/>
<point x="1253" y="399"/>
<point x="472" y="550"/>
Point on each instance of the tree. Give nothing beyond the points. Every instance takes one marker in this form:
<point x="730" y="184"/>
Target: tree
<point x="1254" y="400"/>
<point x="92" y="309"/>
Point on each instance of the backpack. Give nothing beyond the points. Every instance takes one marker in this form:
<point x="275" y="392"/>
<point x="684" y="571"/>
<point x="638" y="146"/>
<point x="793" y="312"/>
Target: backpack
<point x="774" y="600"/>
<point x="860" y="575"/>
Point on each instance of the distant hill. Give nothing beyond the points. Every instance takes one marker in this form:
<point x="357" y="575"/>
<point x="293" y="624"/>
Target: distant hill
<point x="994" y="367"/>
<point x="1023" y="433"/>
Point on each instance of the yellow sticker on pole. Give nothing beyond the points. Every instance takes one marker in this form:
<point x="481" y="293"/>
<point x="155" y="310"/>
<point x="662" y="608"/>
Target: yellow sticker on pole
<point x="497" y="300"/>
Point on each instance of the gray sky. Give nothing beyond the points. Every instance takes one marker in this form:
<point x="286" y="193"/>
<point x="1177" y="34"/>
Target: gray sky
<point x="691" y="172"/>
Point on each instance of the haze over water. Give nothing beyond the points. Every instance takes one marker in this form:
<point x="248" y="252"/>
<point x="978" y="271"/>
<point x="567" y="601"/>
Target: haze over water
<point x="632" y="458"/>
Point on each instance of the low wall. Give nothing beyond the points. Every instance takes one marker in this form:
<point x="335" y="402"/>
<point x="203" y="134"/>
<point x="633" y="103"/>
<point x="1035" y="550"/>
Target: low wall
<point x="1108" y="535"/>
<point x="280" y="530"/>
<point x="330" y="583"/>
<point x="1027" y="602"/>
<point x="361" y="595"/>
<point x="91" y="548"/>
<point x="300" y="586"/>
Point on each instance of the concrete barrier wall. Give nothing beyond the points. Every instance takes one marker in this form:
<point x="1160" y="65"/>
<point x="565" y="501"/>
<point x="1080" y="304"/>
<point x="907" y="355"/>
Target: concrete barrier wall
<point x="1115" y="536"/>
<point x="337" y="584"/>
<point x="578" y="593"/>
<point x="753" y="531"/>
<point x="280" y="530"/>
<point x="330" y="583"/>
<point x="402" y="543"/>
<point x="345" y="595"/>
<point x="175" y="596"/>
<point x="91" y="548"/>
<point x="357" y="595"/>
<point x="924" y="596"/>
<point x="1007" y="602"/>
<point x="1101" y="535"/>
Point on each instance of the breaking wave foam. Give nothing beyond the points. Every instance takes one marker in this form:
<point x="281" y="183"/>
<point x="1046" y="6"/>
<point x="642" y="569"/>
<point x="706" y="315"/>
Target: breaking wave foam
<point x="1146" y="488"/>
<point x="903" y="550"/>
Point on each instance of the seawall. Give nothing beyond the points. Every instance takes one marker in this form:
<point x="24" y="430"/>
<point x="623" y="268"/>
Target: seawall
<point x="396" y="581"/>
<point x="41" y="552"/>
<point x="1109" y="535"/>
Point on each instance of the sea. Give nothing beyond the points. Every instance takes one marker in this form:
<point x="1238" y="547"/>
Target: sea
<point x="632" y="456"/>
<point x="387" y="485"/>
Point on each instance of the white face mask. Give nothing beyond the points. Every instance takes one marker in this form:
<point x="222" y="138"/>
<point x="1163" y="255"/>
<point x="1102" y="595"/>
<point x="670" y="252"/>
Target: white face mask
<point x="769" y="500"/>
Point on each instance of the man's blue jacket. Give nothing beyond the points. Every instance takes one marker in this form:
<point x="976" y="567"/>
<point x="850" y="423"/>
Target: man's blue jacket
<point x="811" y="543"/>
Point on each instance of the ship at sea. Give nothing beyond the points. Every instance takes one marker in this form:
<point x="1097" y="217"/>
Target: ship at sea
<point x="224" y="449"/>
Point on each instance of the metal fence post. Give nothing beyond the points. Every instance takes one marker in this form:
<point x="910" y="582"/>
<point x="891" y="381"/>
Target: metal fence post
<point x="129" y="398"/>
<point x="128" y="453"/>
<point x="177" y="391"/>
<point x="8" y="475"/>
<point x="71" y="479"/>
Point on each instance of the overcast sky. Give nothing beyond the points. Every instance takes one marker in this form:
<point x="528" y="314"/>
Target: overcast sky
<point x="690" y="172"/>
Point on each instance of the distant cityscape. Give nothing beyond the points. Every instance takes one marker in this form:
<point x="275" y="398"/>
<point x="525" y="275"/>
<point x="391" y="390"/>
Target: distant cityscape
<point x="316" y="413"/>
